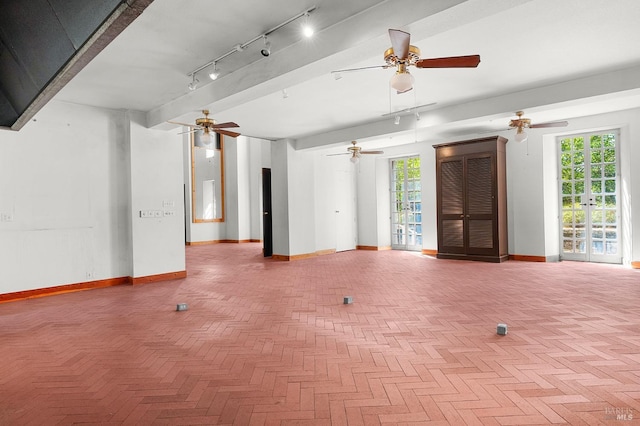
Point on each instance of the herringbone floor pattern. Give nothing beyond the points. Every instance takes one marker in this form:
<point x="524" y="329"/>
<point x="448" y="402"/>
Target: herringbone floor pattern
<point x="271" y="343"/>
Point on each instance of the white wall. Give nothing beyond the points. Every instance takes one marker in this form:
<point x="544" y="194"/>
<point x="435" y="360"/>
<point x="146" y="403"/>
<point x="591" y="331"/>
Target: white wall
<point x="367" y="201"/>
<point x="325" y="169"/>
<point x="156" y="185"/>
<point x="280" y="152"/>
<point x="67" y="183"/>
<point x="63" y="199"/>
<point x="259" y="158"/>
<point x="302" y="203"/>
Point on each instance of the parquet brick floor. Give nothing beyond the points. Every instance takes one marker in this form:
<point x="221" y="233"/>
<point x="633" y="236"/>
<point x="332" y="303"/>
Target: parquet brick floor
<point x="271" y="343"/>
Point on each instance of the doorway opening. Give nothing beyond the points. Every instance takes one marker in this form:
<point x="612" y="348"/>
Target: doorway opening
<point x="406" y="204"/>
<point x="267" y="221"/>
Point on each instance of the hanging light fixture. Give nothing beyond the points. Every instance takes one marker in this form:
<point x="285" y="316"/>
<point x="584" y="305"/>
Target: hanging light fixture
<point x="205" y="139"/>
<point x="521" y="135"/>
<point x="355" y="157"/>
<point x="402" y="81"/>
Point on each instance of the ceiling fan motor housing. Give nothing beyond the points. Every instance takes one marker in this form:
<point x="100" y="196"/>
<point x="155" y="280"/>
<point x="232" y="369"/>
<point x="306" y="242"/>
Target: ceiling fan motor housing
<point x="391" y="59"/>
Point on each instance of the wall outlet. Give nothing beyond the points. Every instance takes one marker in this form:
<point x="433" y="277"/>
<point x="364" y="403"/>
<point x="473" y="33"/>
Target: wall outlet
<point x="169" y="213"/>
<point x="6" y="217"/>
<point x="90" y="275"/>
<point x="157" y="213"/>
<point x="168" y="204"/>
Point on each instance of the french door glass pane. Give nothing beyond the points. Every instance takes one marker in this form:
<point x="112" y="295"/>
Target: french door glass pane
<point x="589" y="197"/>
<point x="406" y="205"/>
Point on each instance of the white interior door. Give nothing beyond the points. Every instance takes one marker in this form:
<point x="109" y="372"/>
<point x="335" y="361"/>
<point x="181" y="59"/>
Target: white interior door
<point x="589" y="191"/>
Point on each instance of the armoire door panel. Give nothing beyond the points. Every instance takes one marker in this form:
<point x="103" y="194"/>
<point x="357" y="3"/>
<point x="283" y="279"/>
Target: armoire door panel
<point x="453" y="235"/>
<point x="480" y="187"/>
<point x="480" y="234"/>
<point x="452" y="186"/>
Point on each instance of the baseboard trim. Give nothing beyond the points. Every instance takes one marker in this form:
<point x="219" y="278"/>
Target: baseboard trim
<point x="204" y="243"/>
<point x="429" y="252"/>
<point x="324" y="252"/>
<point x="373" y="248"/>
<point x="288" y="258"/>
<point x="635" y="265"/>
<point x="526" y="258"/>
<point x="88" y="285"/>
<point x="61" y="289"/>
<point x="159" y="277"/>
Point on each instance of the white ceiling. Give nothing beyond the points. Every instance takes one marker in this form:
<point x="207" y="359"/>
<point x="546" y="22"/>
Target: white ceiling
<point x="554" y="59"/>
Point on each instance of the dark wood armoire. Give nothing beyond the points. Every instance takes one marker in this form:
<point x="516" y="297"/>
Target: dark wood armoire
<point x="471" y="182"/>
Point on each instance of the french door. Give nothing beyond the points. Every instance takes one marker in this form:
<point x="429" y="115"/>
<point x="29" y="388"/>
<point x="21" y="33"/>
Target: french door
<point x="406" y="204"/>
<point x="589" y="191"/>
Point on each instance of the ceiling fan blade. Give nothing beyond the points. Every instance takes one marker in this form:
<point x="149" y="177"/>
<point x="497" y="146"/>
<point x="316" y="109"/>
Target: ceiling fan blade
<point x="227" y="133"/>
<point x="400" y="43"/>
<point x="469" y="61"/>
<point x="185" y="124"/>
<point x="224" y="125"/>
<point x="403" y="91"/>
<point x="550" y="124"/>
<point x="361" y="69"/>
<point x="342" y="153"/>
<point x="188" y="132"/>
<point x="371" y="152"/>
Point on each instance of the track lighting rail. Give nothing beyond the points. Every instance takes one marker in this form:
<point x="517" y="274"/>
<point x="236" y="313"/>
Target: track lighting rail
<point x="241" y="47"/>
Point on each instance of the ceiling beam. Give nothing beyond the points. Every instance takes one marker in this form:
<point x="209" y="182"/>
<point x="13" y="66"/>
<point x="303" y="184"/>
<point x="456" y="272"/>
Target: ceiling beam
<point x="595" y="88"/>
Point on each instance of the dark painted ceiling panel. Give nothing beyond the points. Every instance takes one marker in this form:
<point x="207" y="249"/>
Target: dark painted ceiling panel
<point x="35" y="37"/>
<point x="80" y="18"/>
<point x="38" y="38"/>
<point x="16" y="85"/>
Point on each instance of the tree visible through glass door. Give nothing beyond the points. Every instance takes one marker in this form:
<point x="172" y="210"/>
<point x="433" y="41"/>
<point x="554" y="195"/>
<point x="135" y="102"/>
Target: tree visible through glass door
<point x="406" y="204"/>
<point x="590" y="197"/>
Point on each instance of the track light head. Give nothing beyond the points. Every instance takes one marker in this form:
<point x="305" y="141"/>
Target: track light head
<point x="213" y="75"/>
<point x="307" y="29"/>
<point x="266" y="50"/>
<point x="194" y="83"/>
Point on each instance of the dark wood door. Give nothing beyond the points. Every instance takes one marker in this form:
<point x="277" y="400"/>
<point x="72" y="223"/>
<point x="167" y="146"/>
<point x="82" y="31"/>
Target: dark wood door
<point x="267" y="231"/>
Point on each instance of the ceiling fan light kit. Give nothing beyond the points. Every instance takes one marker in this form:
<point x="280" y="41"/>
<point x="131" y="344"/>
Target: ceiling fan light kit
<point x="204" y="139"/>
<point x="520" y="136"/>
<point x="205" y="128"/>
<point x="402" y="55"/>
<point x="522" y="123"/>
<point x="402" y="82"/>
<point x="355" y="151"/>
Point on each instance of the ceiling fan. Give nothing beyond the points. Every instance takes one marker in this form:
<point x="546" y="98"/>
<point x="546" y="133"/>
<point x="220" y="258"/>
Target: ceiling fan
<point x="401" y="55"/>
<point x="355" y="151"/>
<point x="521" y="123"/>
<point x="205" y="127"/>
